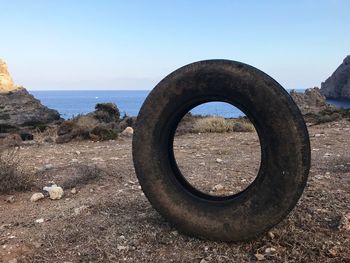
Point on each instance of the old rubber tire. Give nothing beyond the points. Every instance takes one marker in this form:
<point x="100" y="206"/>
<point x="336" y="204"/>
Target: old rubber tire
<point x="285" y="151"/>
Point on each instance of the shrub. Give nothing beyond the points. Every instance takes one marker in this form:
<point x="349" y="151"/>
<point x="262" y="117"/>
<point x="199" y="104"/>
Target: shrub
<point x="221" y="125"/>
<point x="212" y="124"/>
<point x="12" y="177"/>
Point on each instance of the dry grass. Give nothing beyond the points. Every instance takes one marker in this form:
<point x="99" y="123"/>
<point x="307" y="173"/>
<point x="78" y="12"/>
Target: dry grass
<point x="221" y="125"/>
<point x="12" y="177"/>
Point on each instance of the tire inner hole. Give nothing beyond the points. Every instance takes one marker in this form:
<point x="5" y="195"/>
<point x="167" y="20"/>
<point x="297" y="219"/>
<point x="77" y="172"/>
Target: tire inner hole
<point x="217" y="149"/>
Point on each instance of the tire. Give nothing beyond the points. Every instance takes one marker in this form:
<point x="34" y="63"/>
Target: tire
<point x="284" y="140"/>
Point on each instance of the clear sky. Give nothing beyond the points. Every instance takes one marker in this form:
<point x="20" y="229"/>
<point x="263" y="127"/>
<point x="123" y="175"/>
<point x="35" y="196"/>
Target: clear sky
<point x="128" y="44"/>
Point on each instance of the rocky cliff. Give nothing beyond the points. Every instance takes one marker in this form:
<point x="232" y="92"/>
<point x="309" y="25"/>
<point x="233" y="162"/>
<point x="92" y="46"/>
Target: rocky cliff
<point x="337" y="86"/>
<point x="18" y="108"/>
<point x="311" y="101"/>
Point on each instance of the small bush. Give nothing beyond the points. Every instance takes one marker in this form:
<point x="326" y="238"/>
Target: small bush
<point x="103" y="134"/>
<point x="221" y="125"/>
<point x="12" y="178"/>
<point x="212" y="124"/>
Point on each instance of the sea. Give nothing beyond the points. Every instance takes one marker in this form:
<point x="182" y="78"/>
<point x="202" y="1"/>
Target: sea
<point x="70" y="103"/>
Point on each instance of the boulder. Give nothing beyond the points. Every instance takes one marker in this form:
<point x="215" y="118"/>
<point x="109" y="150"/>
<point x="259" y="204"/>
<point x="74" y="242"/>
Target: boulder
<point x="18" y="108"/>
<point x="128" y="132"/>
<point x="337" y="86"/>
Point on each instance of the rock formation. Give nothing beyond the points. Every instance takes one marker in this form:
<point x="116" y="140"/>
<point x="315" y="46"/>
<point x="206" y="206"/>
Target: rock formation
<point x="6" y="82"/>
<point x="311" y="101"/>
<point x="18" y="108"/>
<point x="337" y="86"/>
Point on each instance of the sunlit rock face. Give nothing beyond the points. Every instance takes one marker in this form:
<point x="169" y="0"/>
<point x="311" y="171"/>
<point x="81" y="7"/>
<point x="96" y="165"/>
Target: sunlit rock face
<point x="18" y="108"/>
<point x="6" y="82"/>
<point x="337" y="86"/>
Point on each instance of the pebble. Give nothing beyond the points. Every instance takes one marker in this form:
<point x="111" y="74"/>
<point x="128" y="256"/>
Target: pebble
<point x="12" y="261"/>
<point x="271" y="235"/>
<point x="78" y="152"/>
<point x="55" y="192"/>
<point x="39" y="221"/>
<point x="119" y="247"/>
<point x="259" y="257"/>
<point x="10" y="199"/>
<point x="46" y="167"/>
<point x="202" y="163"/>
<point x="270" y="250"/>
<point x="218" y="160"/>
<point x="73" y="191"/>
<point x="218" y="187"/>
<point x="36" y="196"/>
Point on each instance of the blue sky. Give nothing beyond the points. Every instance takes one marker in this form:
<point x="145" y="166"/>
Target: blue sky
<point x="134" y="44"/>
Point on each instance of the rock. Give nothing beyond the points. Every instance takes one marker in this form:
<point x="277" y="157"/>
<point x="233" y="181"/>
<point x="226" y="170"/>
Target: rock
<point x="73" y="191"/>
<point x="271" y="235"/>
<point x="259" y="257"/>
<point x="270" y="250"/>
<point x="337" y="86"/>
<point x="128" y="132"/>
<point x="10" y="199"/>
<point x="36" y="197"/>
<point x="14" y="260"/>
<point x="119" y="247"/>
<point x="19" y="108"/>
<point x="46" y="167"/>
<point x="55" y="192"/>
<point x="311" y="101"/>
<point x="6" y="82"/>
<point x="218" y="160"/>
<point x="79" y="210"/>
<point x="39" y="221"/>
<point x="218" y="187"/>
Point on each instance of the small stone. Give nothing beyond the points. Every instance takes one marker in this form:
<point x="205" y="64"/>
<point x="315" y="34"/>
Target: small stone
<point x="79" y="210"/>
<point x="202" y="163"/>
<point x="36" y="196"/>
<point x="218" y="187"/>
<point x="12" y="261"/>
<point x="55" y="192"/>
<point x="271" y="235"/>
<point x="74" y="160"/>
<point x="78" y="152"/>
<point x="119" y="247"/>
<point x="73" y="191"/>
<point x="259" y="257"/>
<point x="218" y="160"/>
<point x="10" y="199"/>
<point x="128" y="132"/>
<point x="39" y="221"/>
<point x="121" y="237"/>
<point x="46" y="167"/>
<point x="270" y="250"/>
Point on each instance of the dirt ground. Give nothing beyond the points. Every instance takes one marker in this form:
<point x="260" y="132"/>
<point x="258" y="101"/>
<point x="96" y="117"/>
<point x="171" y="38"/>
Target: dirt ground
<point x="109" y="219"/>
